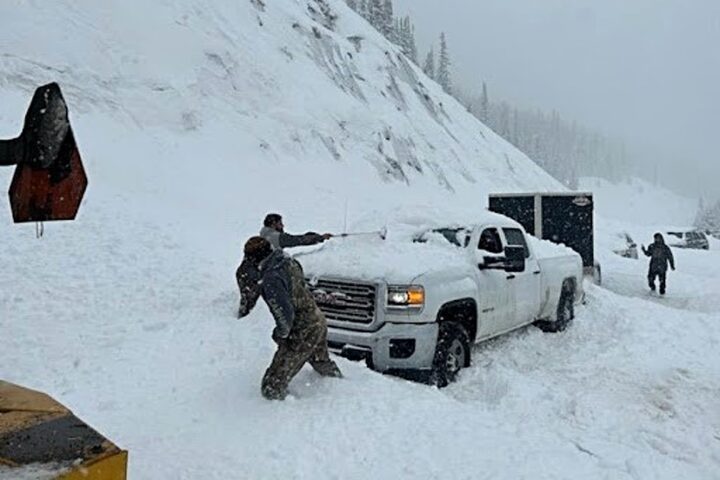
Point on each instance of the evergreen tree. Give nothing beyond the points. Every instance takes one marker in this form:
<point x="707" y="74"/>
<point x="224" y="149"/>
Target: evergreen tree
<point x="363" y="9"/>
<point x="484" y="105"/>
<point x="400" y="38"/>
<point x="398" y="33"/>
<point x="699" y="216"/>
<point x="443" y="71"/>
<point x="352" y="4"/>
<point x="429" y="66"/>
<point x="411" y="45"/>
<point x="405" y="37"/>
<point x="375" y="15"/>
<point x="388" y="21"/>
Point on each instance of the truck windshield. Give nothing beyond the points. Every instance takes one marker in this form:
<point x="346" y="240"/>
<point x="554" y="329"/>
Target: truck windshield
<point x="458" y="236"/>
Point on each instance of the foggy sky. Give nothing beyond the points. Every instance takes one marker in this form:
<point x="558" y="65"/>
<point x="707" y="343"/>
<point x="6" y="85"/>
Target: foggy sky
<point x="647" y="71"/>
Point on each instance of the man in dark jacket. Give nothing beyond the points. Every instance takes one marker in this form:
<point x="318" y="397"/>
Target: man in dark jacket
<point x="300" y="327"/>
<point x="273" y="231"/>
<point x="660" y="256"/>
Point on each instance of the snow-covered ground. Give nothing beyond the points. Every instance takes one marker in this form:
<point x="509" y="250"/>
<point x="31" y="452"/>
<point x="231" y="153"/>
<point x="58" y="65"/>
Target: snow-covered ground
<point x="127" y="315"/>
<point x="128" y="324"/>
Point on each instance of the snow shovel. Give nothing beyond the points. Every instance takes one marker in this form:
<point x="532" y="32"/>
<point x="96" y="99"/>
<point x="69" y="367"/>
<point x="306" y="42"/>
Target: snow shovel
<point x="49" y="181"/>
<point x="382" y="233"/>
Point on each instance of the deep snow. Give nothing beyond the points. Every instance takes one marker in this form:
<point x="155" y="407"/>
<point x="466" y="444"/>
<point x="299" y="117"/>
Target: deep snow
<point x="194" y="121"/>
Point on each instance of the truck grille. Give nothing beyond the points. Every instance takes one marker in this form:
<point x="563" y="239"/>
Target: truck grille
<point x="345" y="301"/>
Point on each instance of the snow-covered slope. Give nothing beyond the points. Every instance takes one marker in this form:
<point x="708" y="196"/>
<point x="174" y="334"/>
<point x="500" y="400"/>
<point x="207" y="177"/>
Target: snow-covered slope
<point x="641" y="203"/>
<point x="299" y="85"/>
<point x="195" y="118"/>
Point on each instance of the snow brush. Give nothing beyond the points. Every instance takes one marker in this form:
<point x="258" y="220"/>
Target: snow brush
<point x="382" y="233"/>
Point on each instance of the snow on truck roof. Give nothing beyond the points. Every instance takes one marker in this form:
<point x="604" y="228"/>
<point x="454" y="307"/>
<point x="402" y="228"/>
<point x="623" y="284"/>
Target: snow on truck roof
<point x="400" y="257"/>
<point x="429" y="217"/>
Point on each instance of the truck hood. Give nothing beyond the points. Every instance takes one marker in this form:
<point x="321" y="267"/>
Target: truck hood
<point x="398" y="260"/>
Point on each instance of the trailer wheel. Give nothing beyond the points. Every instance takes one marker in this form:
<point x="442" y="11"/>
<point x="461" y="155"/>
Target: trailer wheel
<point x="452" y="353"/>
<point x="565" y="313"/>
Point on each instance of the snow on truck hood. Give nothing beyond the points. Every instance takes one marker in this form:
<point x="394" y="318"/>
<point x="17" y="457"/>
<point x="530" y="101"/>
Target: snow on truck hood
<point x="395" y="260"/>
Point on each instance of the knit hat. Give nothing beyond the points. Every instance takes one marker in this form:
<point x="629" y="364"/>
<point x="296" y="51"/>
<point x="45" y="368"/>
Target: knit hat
<point x="257" y="249"/>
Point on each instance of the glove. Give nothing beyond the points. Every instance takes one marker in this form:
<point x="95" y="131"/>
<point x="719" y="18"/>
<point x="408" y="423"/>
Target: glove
<point x="279" y="337"/>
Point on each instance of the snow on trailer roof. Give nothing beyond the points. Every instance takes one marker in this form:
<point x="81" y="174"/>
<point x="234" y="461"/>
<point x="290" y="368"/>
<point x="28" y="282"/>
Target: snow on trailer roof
<point x="542" y="194"/>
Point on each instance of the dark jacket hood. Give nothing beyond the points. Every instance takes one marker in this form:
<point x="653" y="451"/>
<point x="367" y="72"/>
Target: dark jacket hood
<point x="275" y="260"/>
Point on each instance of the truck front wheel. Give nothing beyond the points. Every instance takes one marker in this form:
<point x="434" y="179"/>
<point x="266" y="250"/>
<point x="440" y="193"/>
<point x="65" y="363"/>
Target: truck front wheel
<point x="452" y="353"/>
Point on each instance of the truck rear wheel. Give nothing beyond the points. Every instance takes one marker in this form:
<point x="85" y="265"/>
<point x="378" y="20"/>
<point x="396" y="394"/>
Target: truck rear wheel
<point x="565" y="313"/>
<point x="452" y="353"/>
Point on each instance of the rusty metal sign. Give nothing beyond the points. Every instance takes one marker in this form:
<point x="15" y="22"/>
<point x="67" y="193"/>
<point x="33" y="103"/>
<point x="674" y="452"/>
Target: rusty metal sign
<point x="54" y="193"/>
<point x="49" y="180"/>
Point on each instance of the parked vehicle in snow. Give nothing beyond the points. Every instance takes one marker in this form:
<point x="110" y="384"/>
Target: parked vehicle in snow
<point x="414" y="307"/>
<point x="688" y="239"/>
<point x="562" y="217"/>
<point x="626" y="246"/>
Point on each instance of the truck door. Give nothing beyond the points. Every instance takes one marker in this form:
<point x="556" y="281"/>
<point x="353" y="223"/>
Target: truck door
<point x="525" y="285"/>
<point x="493" y="294"/>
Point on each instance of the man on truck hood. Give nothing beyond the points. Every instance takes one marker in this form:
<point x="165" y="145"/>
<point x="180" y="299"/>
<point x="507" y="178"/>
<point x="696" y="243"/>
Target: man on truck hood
<point x="660" y="256"/>
<point x="300" y="327"/>
<point x="273" y="231"/>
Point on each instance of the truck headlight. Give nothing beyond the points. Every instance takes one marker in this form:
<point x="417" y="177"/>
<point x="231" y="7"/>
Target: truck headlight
<point x="405" y="296"/>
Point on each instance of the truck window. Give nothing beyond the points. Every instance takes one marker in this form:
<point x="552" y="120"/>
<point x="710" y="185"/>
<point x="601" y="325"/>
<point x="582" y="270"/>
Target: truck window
<point x="458" y="236"/>
<point x="490" y="241"/>
<point x="516" y="238"/>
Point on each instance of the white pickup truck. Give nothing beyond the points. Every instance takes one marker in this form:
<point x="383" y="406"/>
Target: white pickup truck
<point x="413" y="306"/>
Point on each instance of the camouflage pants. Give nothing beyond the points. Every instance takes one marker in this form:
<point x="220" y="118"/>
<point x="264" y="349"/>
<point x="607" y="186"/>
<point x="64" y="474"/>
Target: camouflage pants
<point x="305" y="344"/>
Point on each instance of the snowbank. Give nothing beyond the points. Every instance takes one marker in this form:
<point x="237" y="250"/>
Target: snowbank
<point x="195" y="119"/>
<point x="640" y="203"/>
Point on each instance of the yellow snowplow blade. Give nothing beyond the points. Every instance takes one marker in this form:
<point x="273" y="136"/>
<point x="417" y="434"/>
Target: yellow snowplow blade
<point x="40" y="436"/>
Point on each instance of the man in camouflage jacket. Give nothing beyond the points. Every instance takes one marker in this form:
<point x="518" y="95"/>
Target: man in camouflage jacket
<point x="300" y="328"/>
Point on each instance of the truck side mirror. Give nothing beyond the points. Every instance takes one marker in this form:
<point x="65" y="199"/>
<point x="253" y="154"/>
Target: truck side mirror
<point x="514" y="259"/>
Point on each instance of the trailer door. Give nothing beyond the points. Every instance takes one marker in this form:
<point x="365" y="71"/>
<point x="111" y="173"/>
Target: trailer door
<point x="568" y="219"/>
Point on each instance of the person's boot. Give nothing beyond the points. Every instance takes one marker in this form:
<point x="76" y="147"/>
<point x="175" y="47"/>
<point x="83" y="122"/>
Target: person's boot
<point x="327" y="369"/>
